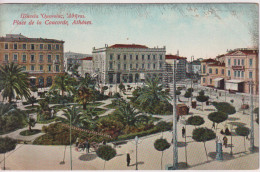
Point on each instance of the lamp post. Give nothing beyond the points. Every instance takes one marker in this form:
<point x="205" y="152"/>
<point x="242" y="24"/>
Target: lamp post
<point x="231" y="147"/>
<point x="174" y="137"/>
<point x="136" y="143"/>
<point x="70" y="147"/>
<point x="252" y="146"/>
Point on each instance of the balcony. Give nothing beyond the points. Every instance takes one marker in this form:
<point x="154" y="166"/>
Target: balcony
<point x="34" y="71"/>
<point x="33" y="61"/>
<point x="24" y="61"/>
<point x="41" y="61"/>
<point x="238" y="67"/>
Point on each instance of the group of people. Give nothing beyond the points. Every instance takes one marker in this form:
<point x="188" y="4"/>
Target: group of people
<point x="82" y="145"/>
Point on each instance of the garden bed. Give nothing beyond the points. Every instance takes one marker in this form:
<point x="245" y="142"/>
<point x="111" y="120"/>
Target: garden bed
<point x="29" y="133"/>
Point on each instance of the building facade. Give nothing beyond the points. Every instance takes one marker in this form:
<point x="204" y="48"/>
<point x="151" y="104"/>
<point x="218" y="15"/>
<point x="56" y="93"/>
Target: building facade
<point x="242" y="67"/>
<point x="86" y="66"/>
<point x="71" y="58"/>
<point x="180" y="67"/>
<point x="128" y="63"/>
<point x="41" y="58"/>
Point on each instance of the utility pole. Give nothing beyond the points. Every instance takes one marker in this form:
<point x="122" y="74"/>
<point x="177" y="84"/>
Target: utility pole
<point x="174" y="137"/>
<point x="70" y="147"/>
<point x="252" y="146"/>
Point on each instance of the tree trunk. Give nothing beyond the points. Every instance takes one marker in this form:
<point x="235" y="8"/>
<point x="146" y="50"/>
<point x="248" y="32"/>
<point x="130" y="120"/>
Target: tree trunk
<point x="104" y="165"/>
<point x="216" y="127"/>
<point x="206" y="151"/>
<point x="10" y="99"/>
<point x="4" y="162"/>
<point x="62" y="93"/>
<point x="84" y="106"/>
<point x="245" y="143"/>
<point x="161" y="160"/>
<point x="202" y="106"/>
<point x="30" y="128"/>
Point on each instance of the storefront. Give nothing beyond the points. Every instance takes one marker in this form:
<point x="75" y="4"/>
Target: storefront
<point x="219" y="83"/>
<point x="235" y="85"/>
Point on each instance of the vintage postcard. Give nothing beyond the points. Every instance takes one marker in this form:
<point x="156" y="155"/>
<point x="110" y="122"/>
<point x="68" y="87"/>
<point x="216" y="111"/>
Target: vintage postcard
<point x="129" y="86"/>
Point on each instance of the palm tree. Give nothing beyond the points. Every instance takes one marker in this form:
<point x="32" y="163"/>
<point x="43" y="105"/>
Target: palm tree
<point x="14" y="82"/>
<point x="129" y="115"/>
<point x="72" y="113"/>
<point x="85" y="88"/>
<point x="64" y="83"/>
<point x="152" y="93"/>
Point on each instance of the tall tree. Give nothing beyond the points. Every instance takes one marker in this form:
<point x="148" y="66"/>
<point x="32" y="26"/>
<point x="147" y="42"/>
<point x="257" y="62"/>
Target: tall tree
<point x="243" y="131"/>
<point x="106" y="153"/>
<point x="73" y="113"/>
<point x="6" y="145"/>
<point x="14" y="82"/>
<point x="64" y="83"/>
<point x="161" y="145"/>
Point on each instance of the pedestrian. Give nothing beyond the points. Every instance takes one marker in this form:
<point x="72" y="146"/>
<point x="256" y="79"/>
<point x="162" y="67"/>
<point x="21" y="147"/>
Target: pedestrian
<point x="128" y="159"/>
<point x="213" y="125"/>
<point x="85" y="144"/>
<point x="77" y="142"/>
<point x="222" y="132"/>
<point x="225" y="140"/>
<point x="88" y="147"/>
<point x="183" y="132"/>
<point x="227" y="132"/>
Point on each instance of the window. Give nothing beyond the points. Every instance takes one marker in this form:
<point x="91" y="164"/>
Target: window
<point x="210" y="81"/>
<point x="41" y="58"/>
<point x="41" y="46"/>
<point x="49" y="68"/>
<point x="142" y="66"/>
<point x="32" y="46"/>
<point x="154" y="57"/>
<point x="250" y="75"/>
<point x="229" y="74"/>
<point x="118" y="66"/>
<point x="32" y="58"/>
<point x="210" y="70"/>
<point x="204" y="68"/>
<point x="24" y="68"/>
<point x="49" y="46"/>
<point x="15" y="57"/>
<point x="6" y="57"/>
<point x="160" y="65"/>
<point x="223" y="71"/>
<point x="243" y="62"/>
<point x="229" y="62"/>
<point x="110" y="65"/>
<point x="124" y="57"/>
<point x="118" y="57"/>
<point x="204" y="80"/>
<point x="111" y="56"/>
<point x="136" y="66"/>
<point x="49" y="58"/>
<point x="216" y="71"/>
<point x="154" y="65"/>
<point x="124" y="66"/>
<point x="142" y="57"/>
<point x="24" y="46"/>
<point x="250" y="62"/>
<point x="235" y="62"/>
<point x="238" y="62"/>
<point x="131" y="66"/>
<point x="131" y="57"/>
<point x="57" y="58"/>
<point x="148" y="65"/>
<point x="160" y="56"/>
<point x="242" y="74"/>
<point x="32" y="67"/>
<point x="57" y="68"/>
<point x="6" y="45"/>
<point x="24" y="58"/>
<point x="57" y="47"/>
<point x="41" y="67"/>
<point x="148" y="57"/>
<point x="238" y="73"/>
<point x="235" y="73"/>
<point x="15" y="46"/>
<point x="136" y="57"/>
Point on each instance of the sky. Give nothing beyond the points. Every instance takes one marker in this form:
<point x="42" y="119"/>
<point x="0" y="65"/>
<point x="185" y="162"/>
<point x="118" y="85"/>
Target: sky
<point x="199" y="30"/>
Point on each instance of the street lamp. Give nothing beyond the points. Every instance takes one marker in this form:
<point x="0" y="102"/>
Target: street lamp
<point x="70" y="147"/>
<point x="231" y="147"/>
<point x="252" y="146"/>
<point x="136" y="143"/>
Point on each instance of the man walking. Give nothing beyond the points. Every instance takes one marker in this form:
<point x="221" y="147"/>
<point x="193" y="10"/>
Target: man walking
<point x="128" y="159"/>
<point x="183" y="132"/>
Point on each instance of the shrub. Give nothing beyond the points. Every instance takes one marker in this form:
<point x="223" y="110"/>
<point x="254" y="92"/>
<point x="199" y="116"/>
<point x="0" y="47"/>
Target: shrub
<point x="195" y="120"/>
<point x="161" y="144"/>
<point x="164" y="126"/>
<point x="7" y="144"/>
<point x="224" y="107"/>
<point x="217" y="117"/>
<point x="190" y="90"/>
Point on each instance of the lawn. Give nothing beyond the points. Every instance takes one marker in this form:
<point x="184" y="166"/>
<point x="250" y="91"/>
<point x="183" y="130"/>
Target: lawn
<point x="29" y="133"/>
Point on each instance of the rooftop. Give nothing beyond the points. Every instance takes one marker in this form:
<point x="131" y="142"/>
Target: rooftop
<point x="127" y="46"/>
<point x="209" y="60"/>
<point x="22" y="38"/>
<point x="217" y="64"/>
<point x="169" y="56"/>
<point x="87" y="58"/>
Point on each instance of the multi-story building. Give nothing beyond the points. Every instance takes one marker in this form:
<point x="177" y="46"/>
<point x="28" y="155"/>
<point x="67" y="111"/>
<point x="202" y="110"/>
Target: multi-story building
<point x="71" y="58"/>
<point x="41" y="58"/>
<point x="242" y="67"/>
<point x="86" y="66"/>
<point x="128" y="63"/>
<point x="196" y="67"/>
<point x="180" y="67"/>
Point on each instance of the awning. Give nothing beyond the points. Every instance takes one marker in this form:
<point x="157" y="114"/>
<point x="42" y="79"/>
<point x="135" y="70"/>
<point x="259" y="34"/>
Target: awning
<point x="217" y="82"/>
<point x="233" y="84"/>
<point x="32" y="77"/>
